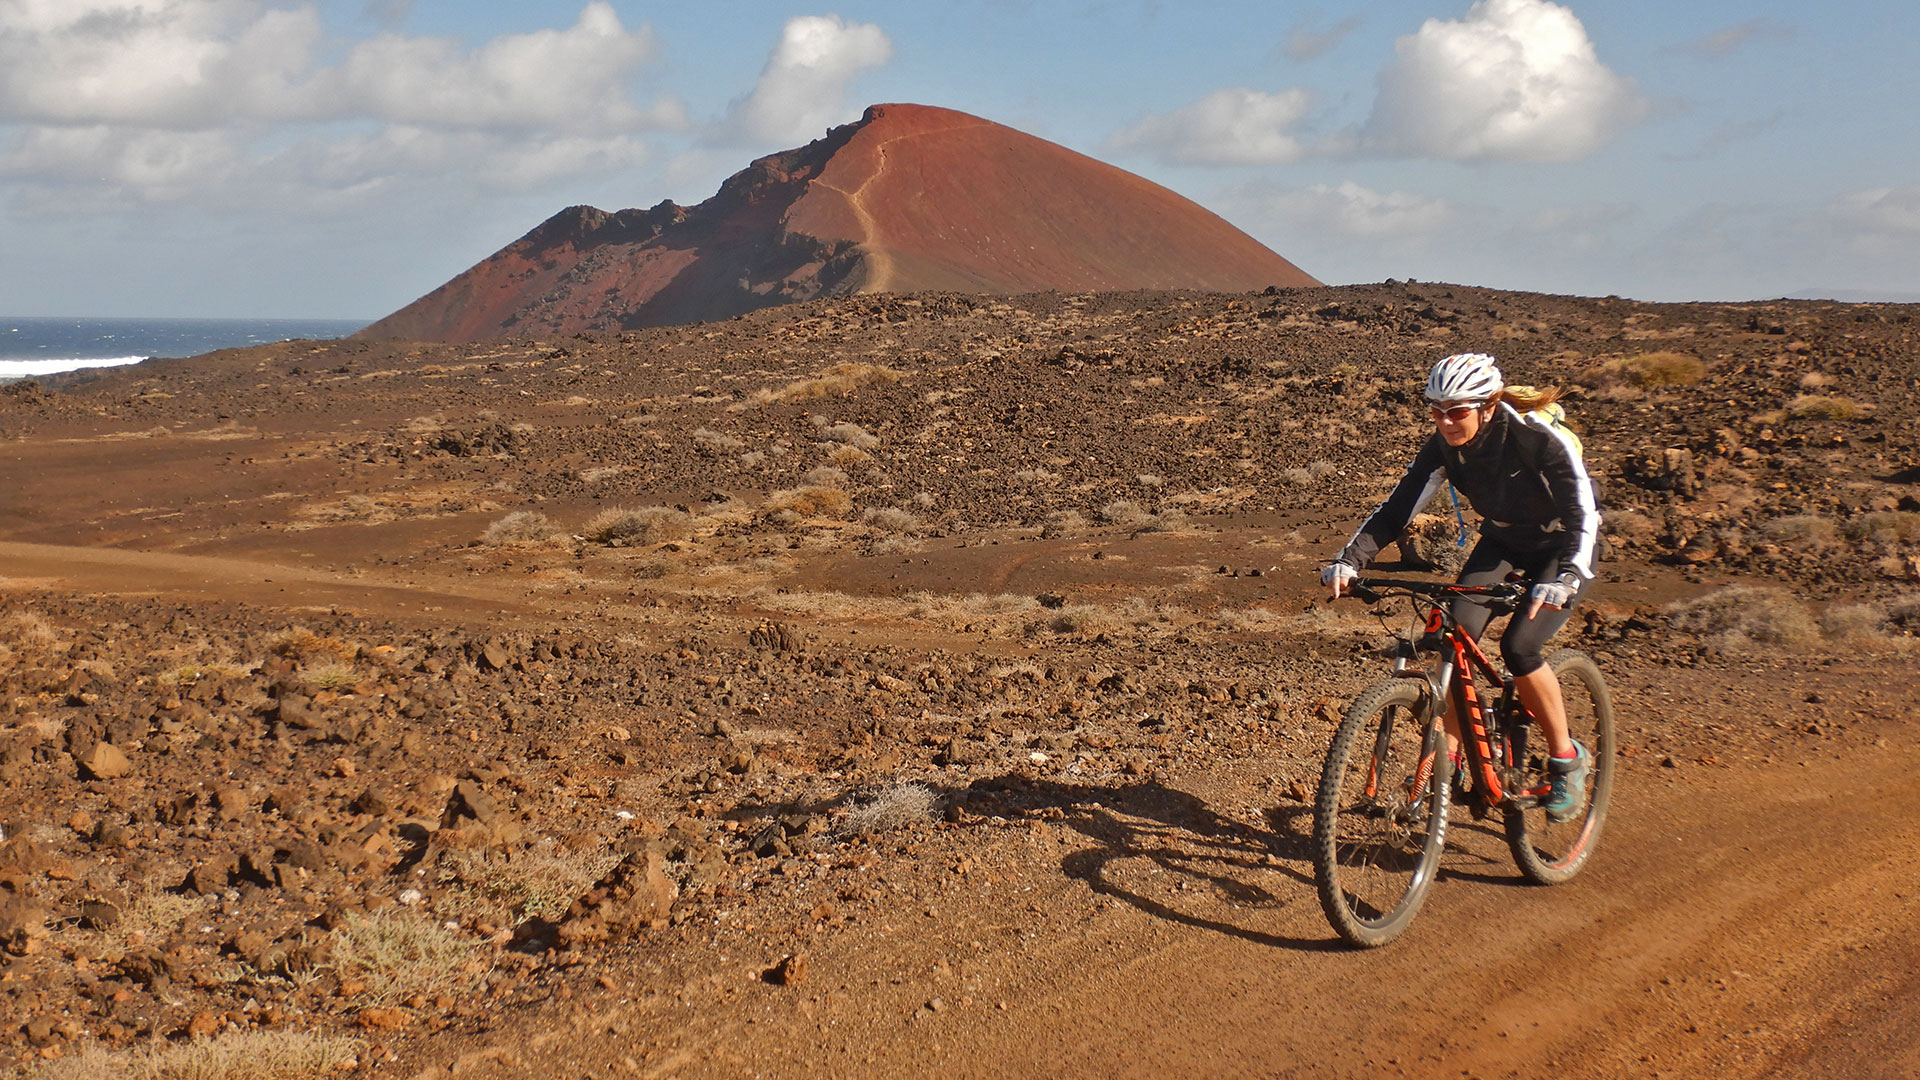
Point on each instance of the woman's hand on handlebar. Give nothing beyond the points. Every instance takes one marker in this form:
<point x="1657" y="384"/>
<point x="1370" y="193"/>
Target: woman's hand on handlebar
<point x="1552" y="594"/>
<point x="1339" y="577"/>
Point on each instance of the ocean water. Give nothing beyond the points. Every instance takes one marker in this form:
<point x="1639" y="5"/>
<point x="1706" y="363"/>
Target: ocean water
<point x="43" y="346"/>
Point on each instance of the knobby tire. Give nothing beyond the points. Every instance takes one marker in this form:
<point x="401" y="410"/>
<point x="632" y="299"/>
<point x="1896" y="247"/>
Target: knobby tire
<point x="1550" y="853"/>
<point x="1375" y="856"/>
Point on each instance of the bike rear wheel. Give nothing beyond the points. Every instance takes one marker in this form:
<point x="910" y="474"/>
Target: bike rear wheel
<point x="1548" y="852"/>
<point x="1380" y="817"/>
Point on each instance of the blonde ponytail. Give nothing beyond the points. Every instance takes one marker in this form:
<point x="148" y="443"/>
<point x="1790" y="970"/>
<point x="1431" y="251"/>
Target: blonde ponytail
<point x="1530" y="398"/>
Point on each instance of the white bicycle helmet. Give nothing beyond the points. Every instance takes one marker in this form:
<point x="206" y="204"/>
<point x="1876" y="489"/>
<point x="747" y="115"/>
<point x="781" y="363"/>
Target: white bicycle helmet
<point x="1467" y="376"/>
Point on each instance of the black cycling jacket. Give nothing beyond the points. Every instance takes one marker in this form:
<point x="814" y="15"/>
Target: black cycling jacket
<point x="1521" y="474"/>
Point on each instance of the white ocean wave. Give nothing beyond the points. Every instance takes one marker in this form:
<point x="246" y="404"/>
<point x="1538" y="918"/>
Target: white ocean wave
<point x="25" y="369"/>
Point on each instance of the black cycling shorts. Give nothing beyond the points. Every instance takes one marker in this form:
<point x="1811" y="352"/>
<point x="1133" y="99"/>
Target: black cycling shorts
<point x="1521" y="644"/>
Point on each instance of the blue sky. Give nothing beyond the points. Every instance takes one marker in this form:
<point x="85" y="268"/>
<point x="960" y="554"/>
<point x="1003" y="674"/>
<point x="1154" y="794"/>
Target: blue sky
<point x="338" y="158"/>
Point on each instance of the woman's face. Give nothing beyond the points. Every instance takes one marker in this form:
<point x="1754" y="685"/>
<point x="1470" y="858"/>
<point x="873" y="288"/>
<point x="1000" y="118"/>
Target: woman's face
<point x="1460" y="421"/>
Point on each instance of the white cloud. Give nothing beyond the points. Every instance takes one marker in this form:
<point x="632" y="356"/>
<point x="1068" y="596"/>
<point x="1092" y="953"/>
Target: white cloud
<point x="801" y="90"/>
<point x="569" y="79"/>
<point x="165" y="63"/>
<point x="1354" y="210"/>
<point x="1515" y="80"/>
<point x="209" y="63"/>
<point x="222" y="100"/>
<point x="1876" y="221"/>
<point x="1235" y="126"/>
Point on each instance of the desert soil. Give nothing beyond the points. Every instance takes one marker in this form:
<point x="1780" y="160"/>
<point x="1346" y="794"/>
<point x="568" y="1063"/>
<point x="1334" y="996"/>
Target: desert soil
<point x="932" y="686"/>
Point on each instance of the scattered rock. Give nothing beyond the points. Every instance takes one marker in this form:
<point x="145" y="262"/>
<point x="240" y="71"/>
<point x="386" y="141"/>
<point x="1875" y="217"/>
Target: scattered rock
<point x="104" y="761"/>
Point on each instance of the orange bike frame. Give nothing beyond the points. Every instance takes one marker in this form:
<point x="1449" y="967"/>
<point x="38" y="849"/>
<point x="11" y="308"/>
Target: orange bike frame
<point x="1468" y="708"/>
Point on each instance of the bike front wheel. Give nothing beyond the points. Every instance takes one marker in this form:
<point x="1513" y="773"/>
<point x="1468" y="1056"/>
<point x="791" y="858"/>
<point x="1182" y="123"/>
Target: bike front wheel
<point x="1550" y="852"/>
<point x="1380" y="817"/>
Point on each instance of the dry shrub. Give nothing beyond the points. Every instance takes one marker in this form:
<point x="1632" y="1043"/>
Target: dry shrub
<point x="813" y="500"/>
<point x="28" y="630"/>
<point x="1855" y="626"/>
<point x="1656" y="370"/>
<point x="505" y="889"/>
<point x="1149" y="480"/>
<point x="647" y="525"/>
<point x="922" y="500"/>
<point x="328" y="677"/>
<point x="1063" y="523"/>
<point x="894" y="520"/>
<point x="715" y="442"/>
<point x="1809" y="530"/>
<point x="840" y="379"/>
<point x="519" y="527"/>
<point x="232" y="1055"/>
<point x="1904" y="612"/>
<point x="897" y="806"/>
<point x="303" y="645"/>
<point x="1825" y="407"/>
<point x="1744" y="618"/>
<point x="851" y="434"/>
<point x="825" y="476"/>
<point x="845" y="455"/>
<point x="1125" y="512"/>
<point x="1036" y="477"/>
<point x="400" y="953"/>
<point x="185" y="675"/>
<point x="1814" y="380"/>
<point x="150" y="918"/>
<point x="1884" y="527"/>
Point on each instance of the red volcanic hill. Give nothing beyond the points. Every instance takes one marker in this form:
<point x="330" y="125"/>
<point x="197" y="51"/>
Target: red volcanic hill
<point x="908" y="198"/>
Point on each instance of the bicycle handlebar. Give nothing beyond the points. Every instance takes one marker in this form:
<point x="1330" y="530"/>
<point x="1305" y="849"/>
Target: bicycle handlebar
<point x="1501" y="597"/>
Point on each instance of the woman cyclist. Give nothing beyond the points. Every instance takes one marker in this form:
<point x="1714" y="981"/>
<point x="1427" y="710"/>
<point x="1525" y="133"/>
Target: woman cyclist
<point x="1540" y="517"/>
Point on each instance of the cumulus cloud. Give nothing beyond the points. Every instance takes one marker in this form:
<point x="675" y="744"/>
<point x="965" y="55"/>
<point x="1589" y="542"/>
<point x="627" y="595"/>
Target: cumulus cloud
<point x="1354" y="210"/>
<point x="570" y="79"/>
<point x="802" y="89"/>
<point x="1876" y="221"/>
<point x="1305" y="40"/>
<point x="1235" y="126"/>
<point x="208" y="63"/>
<point x="158" y="100"/>
<point x="1515" y="80"/>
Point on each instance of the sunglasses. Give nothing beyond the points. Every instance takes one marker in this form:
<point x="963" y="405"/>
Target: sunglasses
<point x="1455" y="414"/>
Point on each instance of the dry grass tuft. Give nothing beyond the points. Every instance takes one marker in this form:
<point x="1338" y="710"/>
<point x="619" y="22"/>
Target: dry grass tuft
<point x="1884" y="527"/>
<point x="898" y="806"/>
<point x="850" y="434"/>
<point x="1803" y="530"/>
<point x="537" y="883"/>
<point x="715" y="443"/>
<point x="1063" y="523"/>
<point x="842" y="379"/>
<point x="846" y="456"/>
<point x="519" y="527"/>
<point x="1658" y="370"/>
<point x="400" y="953"/>
<point x="810" y="501"/>
<point x="1745" y="618"/>
<point x="1825" y="407"/>
<point x="647" y="525"/>
<point x="893" y="520"/>
<point x="234" y="1055"/>
<point x="307" y="647"/>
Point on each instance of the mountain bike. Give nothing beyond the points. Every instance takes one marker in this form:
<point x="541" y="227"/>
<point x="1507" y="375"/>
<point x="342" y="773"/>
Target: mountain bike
<point x="1380" y="817"/>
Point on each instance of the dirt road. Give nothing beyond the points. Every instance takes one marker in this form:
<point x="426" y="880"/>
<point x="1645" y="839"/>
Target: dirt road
<point x="1740" y="922"/>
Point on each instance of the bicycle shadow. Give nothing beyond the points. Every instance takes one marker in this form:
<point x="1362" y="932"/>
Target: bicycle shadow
<point x="1154" y="846"/>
